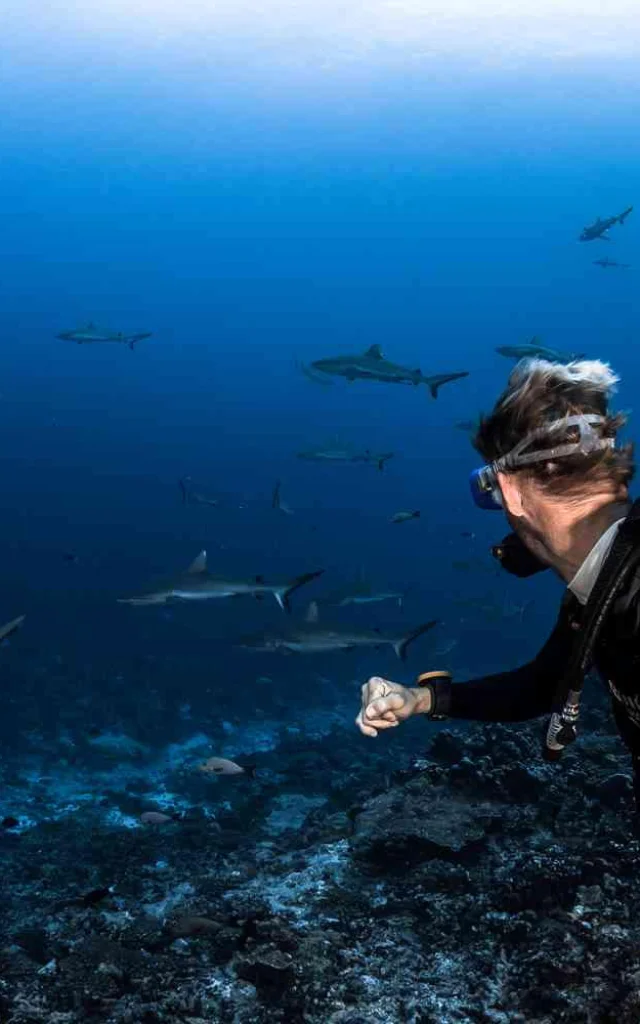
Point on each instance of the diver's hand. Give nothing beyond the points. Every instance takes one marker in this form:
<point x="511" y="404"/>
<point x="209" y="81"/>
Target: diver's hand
<point x="385" y="705"/>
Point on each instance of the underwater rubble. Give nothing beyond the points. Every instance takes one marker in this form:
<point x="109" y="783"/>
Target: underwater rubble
<point x="475" y="884"/>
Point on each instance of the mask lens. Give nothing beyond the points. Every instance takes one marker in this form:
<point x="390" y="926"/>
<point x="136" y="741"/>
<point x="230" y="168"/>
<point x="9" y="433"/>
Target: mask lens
<point x="484" y="489"/>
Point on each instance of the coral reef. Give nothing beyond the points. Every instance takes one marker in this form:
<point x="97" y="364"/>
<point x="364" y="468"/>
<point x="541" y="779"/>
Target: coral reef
<point x="475" y="883"/>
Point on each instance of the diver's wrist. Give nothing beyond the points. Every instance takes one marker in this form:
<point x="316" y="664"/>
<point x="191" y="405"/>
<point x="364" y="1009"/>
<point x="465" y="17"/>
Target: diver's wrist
<point x="423" y="700"/>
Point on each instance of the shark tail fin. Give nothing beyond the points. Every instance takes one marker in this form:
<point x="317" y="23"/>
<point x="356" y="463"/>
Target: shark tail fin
<point x="283" y="594"/>
<point x="183" y="484"/>
<point x="435" y="383"/>
<point x="625" y="214"/>
<point x="384" y="458"/>
<point x="11" y="627"/>
<point x="401" y="646"/>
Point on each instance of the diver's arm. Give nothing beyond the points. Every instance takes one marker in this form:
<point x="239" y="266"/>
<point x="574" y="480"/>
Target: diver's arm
<point x="515" y="696"/>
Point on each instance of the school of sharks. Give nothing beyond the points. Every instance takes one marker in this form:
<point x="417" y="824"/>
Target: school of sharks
<point x="312" y="635"/>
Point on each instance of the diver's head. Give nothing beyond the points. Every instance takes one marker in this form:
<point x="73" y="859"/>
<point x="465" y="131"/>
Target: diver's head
<point x="550" y="449"/>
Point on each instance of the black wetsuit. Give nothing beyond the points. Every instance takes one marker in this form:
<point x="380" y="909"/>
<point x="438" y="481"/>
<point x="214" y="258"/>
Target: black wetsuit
<point x="528" y="691"/>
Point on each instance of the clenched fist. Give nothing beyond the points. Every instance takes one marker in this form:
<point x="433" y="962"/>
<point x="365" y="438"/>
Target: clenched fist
<point x="386" y="704"/>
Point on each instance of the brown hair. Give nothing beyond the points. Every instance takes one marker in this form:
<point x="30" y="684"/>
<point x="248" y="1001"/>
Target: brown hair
<point x="539" y="392"/>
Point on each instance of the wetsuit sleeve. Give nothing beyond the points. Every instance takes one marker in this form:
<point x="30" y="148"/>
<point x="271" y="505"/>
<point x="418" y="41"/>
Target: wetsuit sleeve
<point x="515" y="696"/>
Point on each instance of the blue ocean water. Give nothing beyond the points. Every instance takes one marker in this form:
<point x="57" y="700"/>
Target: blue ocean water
<point x="254" y="213"/>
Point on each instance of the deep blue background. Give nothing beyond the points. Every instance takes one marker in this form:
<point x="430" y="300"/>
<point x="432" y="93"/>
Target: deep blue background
<point x="249" y="228"/>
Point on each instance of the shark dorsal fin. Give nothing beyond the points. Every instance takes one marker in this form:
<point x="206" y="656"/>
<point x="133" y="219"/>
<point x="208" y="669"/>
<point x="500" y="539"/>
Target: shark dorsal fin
<point x="199" y="564"/>
<point x="375" y="352"/>
<point x="313" y="613"/>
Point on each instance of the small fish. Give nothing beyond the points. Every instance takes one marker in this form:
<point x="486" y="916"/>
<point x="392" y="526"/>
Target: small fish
<point x="404" y="517"/>
<point x="155" y="818"/>
<point x="11" y="627"/>
<point x="468" y="534"/>
<point x="222" y="766"/>
<point x="277" y="502"/>
<point x="70" y="558"/>
<point x="469" y="426"/>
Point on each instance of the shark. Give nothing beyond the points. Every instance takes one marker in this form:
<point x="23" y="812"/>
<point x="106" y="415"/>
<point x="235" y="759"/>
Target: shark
<point x="361" y="593"/>
<point x="190" y="496"/>
<point x="91" y="335"/>
<point x="372" y="365"/>
<point x="339" y="454"/>
<point x="535" y="350"/>
<point x="312" y="638"/>
<point x="600" y="227"/>
<point x="611" y="263"/>
<point x="198" y="584"/>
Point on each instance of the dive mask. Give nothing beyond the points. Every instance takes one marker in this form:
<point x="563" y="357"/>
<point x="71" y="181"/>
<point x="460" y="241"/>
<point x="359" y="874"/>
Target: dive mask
<point x="484" y="481"/>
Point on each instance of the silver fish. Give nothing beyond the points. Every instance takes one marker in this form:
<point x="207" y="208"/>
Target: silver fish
<point x="222" y="766"/>
<point x="155" y="818"/>
<point x="404" y="517"/>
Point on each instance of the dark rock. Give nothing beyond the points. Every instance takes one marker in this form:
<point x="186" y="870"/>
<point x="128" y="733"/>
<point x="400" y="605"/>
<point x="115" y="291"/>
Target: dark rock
<point x="9" y="822"/>
<point x="420" y="825"/>
<point x="615" y="788"/>
<point x="35" y="942"/>
<point x="447" y="747"/>
<point x="267" y="969"/>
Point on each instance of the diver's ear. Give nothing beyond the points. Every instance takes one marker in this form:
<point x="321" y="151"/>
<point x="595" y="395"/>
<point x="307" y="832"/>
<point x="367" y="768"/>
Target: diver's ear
<point x="511" y="493"/>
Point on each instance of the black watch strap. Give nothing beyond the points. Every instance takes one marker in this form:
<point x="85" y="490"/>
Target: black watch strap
<point x="439" y="683"/>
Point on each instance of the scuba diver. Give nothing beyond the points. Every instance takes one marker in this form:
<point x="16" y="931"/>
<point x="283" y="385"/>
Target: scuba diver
<point x="555" y="468"/>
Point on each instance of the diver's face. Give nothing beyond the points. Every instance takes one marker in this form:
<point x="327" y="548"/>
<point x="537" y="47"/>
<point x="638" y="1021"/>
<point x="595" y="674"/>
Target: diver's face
<point x="526" y="508"/>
